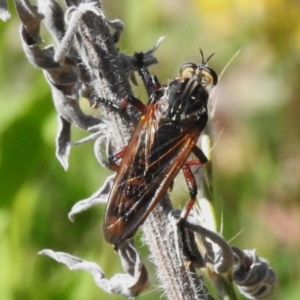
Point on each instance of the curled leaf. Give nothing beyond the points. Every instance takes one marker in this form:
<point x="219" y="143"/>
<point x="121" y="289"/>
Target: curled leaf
<point x="128" y="285"/>
<point x="99" y="197"/>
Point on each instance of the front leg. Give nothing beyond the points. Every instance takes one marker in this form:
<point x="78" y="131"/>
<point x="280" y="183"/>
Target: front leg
<point x="150" y="81"/>
<point x="96" y="101"/>
<point x="138" y="104"/>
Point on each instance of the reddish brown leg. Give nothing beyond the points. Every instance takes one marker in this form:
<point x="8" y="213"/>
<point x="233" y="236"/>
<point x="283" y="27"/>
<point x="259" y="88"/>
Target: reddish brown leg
<point x="137" y="103"/>
<point x="194" y="163"/>
<point x="114" y="157"/>
<point x="192" y="186"/>
<point x="191" y="181"/>
<point x="200" y="155"/>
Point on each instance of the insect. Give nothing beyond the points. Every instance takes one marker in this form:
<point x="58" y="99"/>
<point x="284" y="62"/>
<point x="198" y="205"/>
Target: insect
<point x="165" y="135"/>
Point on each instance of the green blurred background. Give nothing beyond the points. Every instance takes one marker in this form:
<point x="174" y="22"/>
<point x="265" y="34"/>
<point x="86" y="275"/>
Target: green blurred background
<point x="256" y="149"/>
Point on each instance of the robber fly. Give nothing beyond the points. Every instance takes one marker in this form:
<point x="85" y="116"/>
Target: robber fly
<point x="165" y="135"/>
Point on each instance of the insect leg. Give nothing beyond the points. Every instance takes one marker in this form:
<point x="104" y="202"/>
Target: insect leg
<point x="150" y="81"/>
<point x="202" y="159"/>
<point x="191" y="181"/>
<point x="208" y="170"/>
<point x="200" y="155"/>
<point x="96" y="101"/>
<point x="192" y="186"/>
<point x="137" y="103"/>
<point x="114" y="157"/>
<point x="106" y="102"/>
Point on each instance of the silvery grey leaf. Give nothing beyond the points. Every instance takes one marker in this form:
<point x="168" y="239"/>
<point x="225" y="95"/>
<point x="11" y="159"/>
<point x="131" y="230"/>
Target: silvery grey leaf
<point x="128" y="62"/>
<point x="53" y="18"/>
<point x="86" y="139"/>
<point x="65" y="89"/>
<point x="4" y="12"/>
<point x="118" y="26"/>
<point x="73" y="16"/>
<point x="253" y="275"/>
<point x="97" y="130"/>
<point x="99" y="197"/>
<point x="63" y="81"/>
<point x="133" y="266"/>
<point x="63" y="138"/>
<point x="128" y="285"/>
<point x="30" y="18"/>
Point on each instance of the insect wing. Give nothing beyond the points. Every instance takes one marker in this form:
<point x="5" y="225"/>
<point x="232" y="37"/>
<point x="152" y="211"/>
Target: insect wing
<point x="123" y="210"/>
<point x="141" y="181"/>
<point x="180" y="153"/>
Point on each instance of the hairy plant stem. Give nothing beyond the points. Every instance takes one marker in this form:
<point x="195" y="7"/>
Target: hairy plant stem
<point x="178" y="280"/>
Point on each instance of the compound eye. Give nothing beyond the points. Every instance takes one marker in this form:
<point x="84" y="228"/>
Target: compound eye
<point x="209" y="77"/>
<point x="188" y="70"/>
